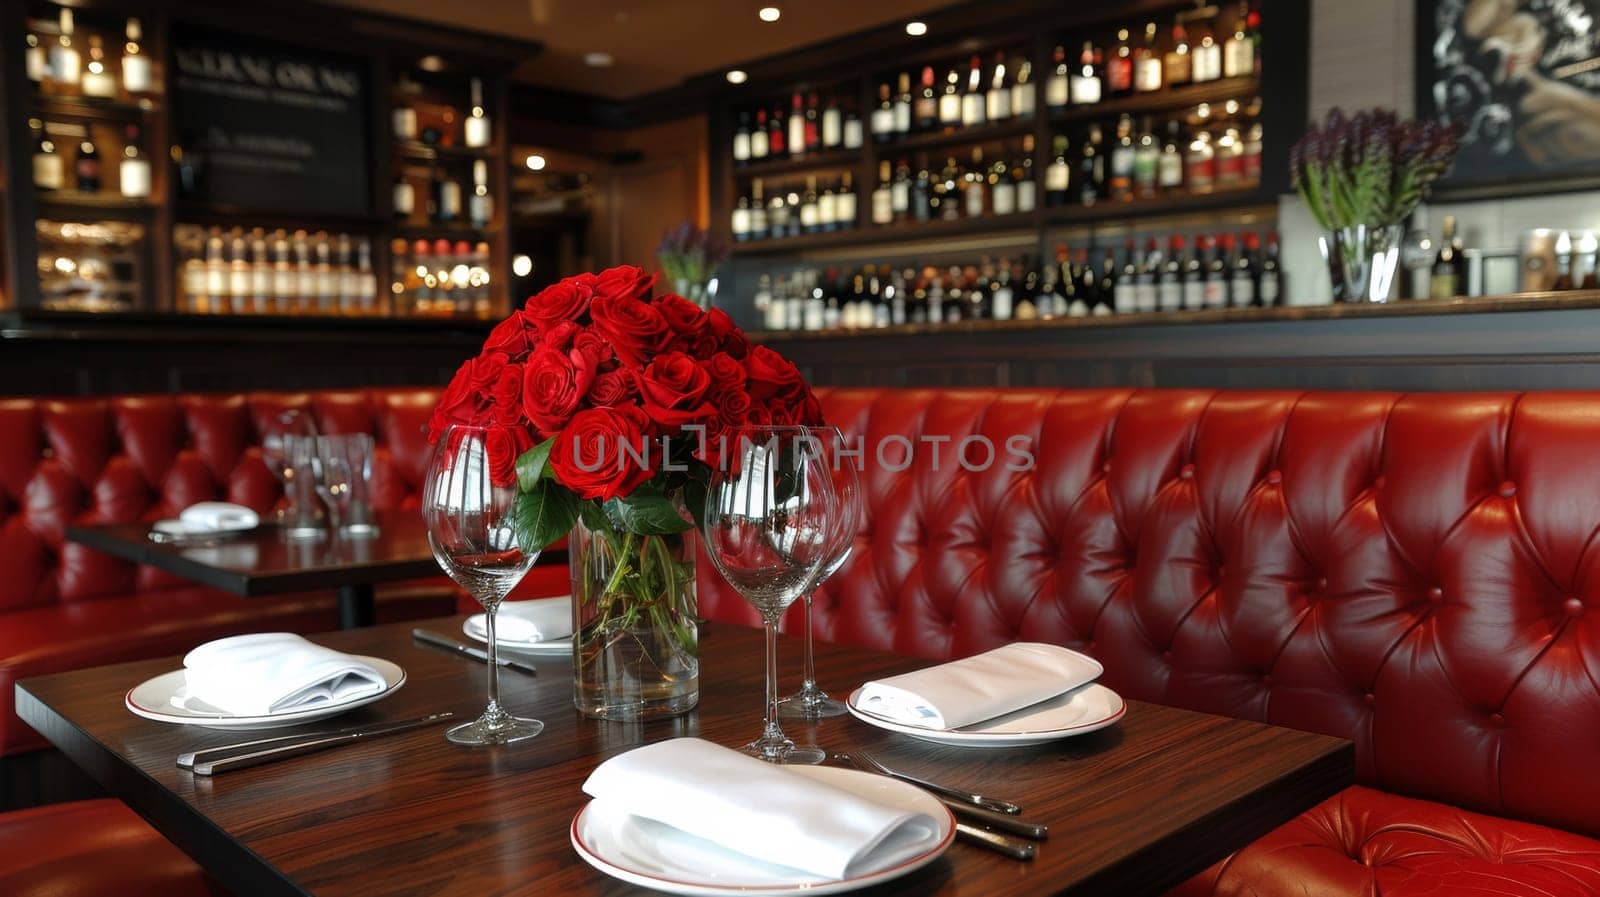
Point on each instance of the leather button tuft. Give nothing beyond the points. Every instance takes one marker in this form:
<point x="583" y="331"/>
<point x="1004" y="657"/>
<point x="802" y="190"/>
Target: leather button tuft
<point x="1379" y="481"/>
<point x="1508" y="489"/>
<point x="1275" y="477"/>
<point x="1497" y="719"/>
<point x="1106" y="467"/>
<point x="1266" y="679"/>
<point x="1436" y="595"/>
<point x="1186" y="471"/>
<point x="1370" y="698"/>
<point x="1167" y="656"/>
<point x="1573" y="606"/>
<point x="1322" y="583"/>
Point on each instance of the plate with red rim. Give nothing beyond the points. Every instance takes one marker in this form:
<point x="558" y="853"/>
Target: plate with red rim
<point x="653" y="855"/>
<point x="152" y="699"/>
<point x="1077" y="712"/>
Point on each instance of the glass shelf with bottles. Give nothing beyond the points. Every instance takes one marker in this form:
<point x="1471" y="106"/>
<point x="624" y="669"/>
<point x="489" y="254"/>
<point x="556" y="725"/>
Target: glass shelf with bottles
<point x="255" y="271"/>
<point x="440" y="117"/>
<point x="945" y="101"/>
<point x="1206" y="48"/>
<point x="91" y="266"/>
<point x="89" y="67"/>
<point x="443" y="197"/>
<point x="993" y="180"/>
<point x="90" y="165"/>
<point x="440" y="278"/>
<point x="818" y="126"/>
<point x="794" y="206"/>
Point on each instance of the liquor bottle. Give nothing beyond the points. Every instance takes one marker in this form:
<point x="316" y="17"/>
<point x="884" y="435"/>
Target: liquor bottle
<point x="852" y="130"/>
<point x="758" y="136"/>
<point x="827" y="210"/>
<point x="66" y="66"/>
<point x="980" y="293"/>
<point x="87" y="167"/>
<point x="1024" y="96"/>
<point x="1105" y="292"/>
<point x="1146" y="163"/>
<point x="327" y="282"/>
<point x="1087" y="80"/>
<point x="897" y="292"/>
<point x="405" y="198"/>
<point x="1122" y="153"/>
<point x="882" y="196"/>
<point x="97" y="80"/>
<point x="403" y="122"/>
<point x="1022" y="173"/>
<point x="1239" y="52"/>
<point x="902" y="106"/>
<point x="926" y="112"/>
<point x="1207" y="63"/>
<point x="846" y="202"/>
<point x="1246" y="293"/>
<point x="446" y="195"/>
<point x="1178" y="66"/>
<point x="1200" y="164"/>
<point x="239" y="281"/>
<point x="1057" y="89"/>
<point x="49" y="171"/>
<point x="922" y="194"/>
<point x="1252" y="154"/>
<point x="878" y="295"/>
<point x="948" y="190"/>
<point x="1169" y="289"/>
<point x="1051" y="300"/>
<point x="741" y="139"/>
<point x="475" y="130"/>
<point x="1002" y="294"/>
<point x="739" y="226"/>
<point x="480" y="206"/>
<point x="810" y="218"/>
<point x="797" y="126"/>
<point x="137" y="77"/>
<point x="213" y="298"/>
<point x="900" y="192"/>
<point x="976" y="195"/>
<point x="1216" y="274"/>
<point x="1119" y="67"/>
<point x="366" y="278"/>
<point x="260" y="274"/>
<point x="37" y="59"/>
<point x="758" y="212"/>
<point x="1450" y="265"/>
<point x="997" y="103"/>
<point x="1058" y="176"/>
<point x="1092" y="168"/>
<point x="1027" y="293"/>
<point x="950" y="101"/>
<point x="1147" y="63"/>
<point x="775" y="144"/>
<point x="1169" y="175"/>
<point x="345" y="287"/>
<point x="813" y="125"/>
<point x="1002" y="189"/>
<point x="1125" y="297"/>
<point x="283" y="280"/>
<point x="133" y="172"/>
<point x="1230" y="159"/>
<point x="1271" y="291"/>
<point x="1194" y="277"/>
<point x="972" y="104"/>
<point x="832" y="125"/>
<point x="1147" y="287"/>
<point x="883" y="116"/>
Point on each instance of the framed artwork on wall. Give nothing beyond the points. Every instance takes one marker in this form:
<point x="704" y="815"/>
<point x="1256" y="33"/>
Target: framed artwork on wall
<point x="1522" y="79"/>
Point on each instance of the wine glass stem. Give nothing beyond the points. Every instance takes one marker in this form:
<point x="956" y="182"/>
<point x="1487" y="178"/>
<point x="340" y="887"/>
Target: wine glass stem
<point x="774" y="733"/>
<point x="809" y="677"/>
<point x="494" y="659"/>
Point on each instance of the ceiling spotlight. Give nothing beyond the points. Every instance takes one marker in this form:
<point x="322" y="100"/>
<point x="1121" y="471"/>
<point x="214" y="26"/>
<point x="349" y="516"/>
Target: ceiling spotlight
<point x="535" y="162"/>
<point x="769" y="13"/>
<point x="431" y="63"/>
<point x="916" y="29"/>
<point x="737" y="76"/>
<point x="597" y="59"/>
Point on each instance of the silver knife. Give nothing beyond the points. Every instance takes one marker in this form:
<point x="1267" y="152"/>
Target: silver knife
<point x="1015" y="848"/>
<point x="242" y="756"/>
<point x="449" y="644"/>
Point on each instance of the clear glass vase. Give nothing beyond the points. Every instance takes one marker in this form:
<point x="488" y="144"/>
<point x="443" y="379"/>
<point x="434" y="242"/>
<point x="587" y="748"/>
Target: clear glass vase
<point x="635" y="643"/>
<point x="1362" y="262"/>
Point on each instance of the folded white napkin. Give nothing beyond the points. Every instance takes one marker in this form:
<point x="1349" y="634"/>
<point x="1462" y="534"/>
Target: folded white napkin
<point x="980" y="687"/>
<point x="757" y="809"/>
<point x="209" y="517"/>
<point x="538" y="620"/>
<point x="273" y="672"/>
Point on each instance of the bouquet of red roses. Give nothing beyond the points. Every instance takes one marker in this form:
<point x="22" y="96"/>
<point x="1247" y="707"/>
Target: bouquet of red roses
<point x="599" y="400"/>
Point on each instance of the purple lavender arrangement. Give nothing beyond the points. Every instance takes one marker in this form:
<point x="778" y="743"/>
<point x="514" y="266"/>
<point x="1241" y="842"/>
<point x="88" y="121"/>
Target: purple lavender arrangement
<point x="689" y="255"/>
<point x="1371" y="169"/>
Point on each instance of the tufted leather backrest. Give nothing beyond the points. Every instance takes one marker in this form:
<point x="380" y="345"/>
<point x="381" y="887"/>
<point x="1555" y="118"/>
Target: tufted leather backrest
<point x="1417" y="573"/>
<point x="113" y="460"/>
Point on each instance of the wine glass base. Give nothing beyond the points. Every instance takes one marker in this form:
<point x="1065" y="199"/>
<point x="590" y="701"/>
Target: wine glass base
<point x="488" y="730"/>
<point x="785" y="754"/>
<point x="814" y="705"/>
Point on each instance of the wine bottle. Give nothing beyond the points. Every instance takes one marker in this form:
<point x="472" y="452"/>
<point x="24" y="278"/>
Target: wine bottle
<point x="1119" y="68"/>
<point x="741" y="139"/>
<point x="1239" y="52"/>
<point x="1146" y="163"/>
<point x="927" y="105"/>
<point x="882" y="196"/>
<point x="1022" y="174"/>
<point x="997" y="102"/>
<point x="950" y="101"/>
<point x="446" y="197"/>
<point x="1194" y="277"/>
<point x="1058" y="175"/>
<point x="1057" y="90"/>
<point x="1125" y="298"/>
<point x="98" y="80"/>
<point x="1023" y="91"/>
<point x="1178" y="64"/>
<point x="797" y="126"/>
<point x="475" y="130"/>
<point x="900" y="192"/>
<point x="133" y="172"/>
<point x="1216" y="274"/>
<point x="1122" y="160"/>
<point x="1243" y="290"/>
<point x="1449" y="266"/>
<point x="883" y="116"/>
<point x="87" y="167"/>
<point x="66" y="66"/>
<point x="480" y="206"/>
<point x="832" y="125"/>
<point x="1091" y="167"/>
<point x="972" y="102"/>
<point x="1147" y="285"/>
<point x="1169" y="176"/>
<point x="1271" y="291"/>
<point x="813" y="125"/>
<point x="1169" y="295"/>
<point x="758" y="136"/>
<point x="404" y="198"/>
<point x="1087" y="79"/>
<point x="137" y="77"/>
<point x="846" y="202"/>
<point x="49" y="171"/>
<point x="902" y="106"/>
<point x="1147" y="73"/>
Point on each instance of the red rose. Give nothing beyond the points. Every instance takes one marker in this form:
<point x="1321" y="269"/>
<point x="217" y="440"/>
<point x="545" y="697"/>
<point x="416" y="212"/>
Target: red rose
<point x="618" y="387"/>
<point x="510" y="337"/>
<point x="508" y="396"/>
<point x="681" y="314"/>
<point x="594" y="346"/>
<point x="726" y="373"/>
<point x="674" y="389"/>
<point x="770" y="373"/>
<point x="457" y="405"/>
<point x="553" y="385"/>
<point x="589" y="458"/>
<point x="564" y="301"/>
<point x="504" y="445"/>
<point x="809" y="411"/>
<point x="636" y="331"/>
<point x="486" y="370"/>
<point x="622" y="282"/>
<point x="733" y="407"/>
<point x="558" y="335"/>
<point x="730" y="338"/>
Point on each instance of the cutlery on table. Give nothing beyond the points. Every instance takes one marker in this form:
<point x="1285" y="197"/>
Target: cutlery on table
<point x="1015" y="848"/>
<point x="865" y="762"/>
<point x="267" y="750"/>
<point x="449" y="644"/>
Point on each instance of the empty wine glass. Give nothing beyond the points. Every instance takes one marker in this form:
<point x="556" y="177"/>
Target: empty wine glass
<point x="766" y="526"/>
<point x="276" y="435"/>
<point x="470" y="530"/>
<point x="335" y="481"/>
<point x="811" y="702"/>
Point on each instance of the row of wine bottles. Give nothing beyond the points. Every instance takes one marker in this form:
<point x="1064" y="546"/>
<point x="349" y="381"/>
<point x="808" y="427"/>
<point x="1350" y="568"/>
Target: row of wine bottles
<point x="55" y="62"/>
<point x="444" y="200"/>
<point x="88" y="172"/>
<point x="1217" y="272"/>
<point x="443" y="127"/>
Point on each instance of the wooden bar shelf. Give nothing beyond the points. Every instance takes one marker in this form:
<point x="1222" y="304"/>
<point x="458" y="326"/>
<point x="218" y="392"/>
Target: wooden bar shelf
<point x="1011" y="129"/>
<point x="1168" y="100"/>
<point x="51" y="106"/>
<point x="1244" y="199"/>
<point x="1024" y="225"/>
<point x="833" y="159"/>
<point x="417" y="151"/>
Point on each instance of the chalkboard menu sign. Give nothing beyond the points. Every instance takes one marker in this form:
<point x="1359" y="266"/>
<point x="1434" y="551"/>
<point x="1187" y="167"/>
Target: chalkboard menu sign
<point x="270" y="127"/>
<point x="1522" y="78"/>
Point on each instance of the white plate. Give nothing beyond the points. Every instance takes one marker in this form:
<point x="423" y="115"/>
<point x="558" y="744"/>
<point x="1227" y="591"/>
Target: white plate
<point x="1073" y="713"/>
<point x="153" y="700"/>
<point x="547" y="648"/>
<point x="650" y="854"/>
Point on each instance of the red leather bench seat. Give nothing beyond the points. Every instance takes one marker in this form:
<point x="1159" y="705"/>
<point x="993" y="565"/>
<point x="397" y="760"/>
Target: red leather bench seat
<point x="93" y="848"/>
<point x="1419" y="574"/>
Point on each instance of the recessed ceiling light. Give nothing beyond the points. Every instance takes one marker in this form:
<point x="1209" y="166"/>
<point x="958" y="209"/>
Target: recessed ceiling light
<point x="598" y="60"/>
<point x="737" y="76"/>
<point x="535" y="162"/>
<point x="431" y="63"/>
<point x="769" y="13"/>
<point x="916" y="29"/>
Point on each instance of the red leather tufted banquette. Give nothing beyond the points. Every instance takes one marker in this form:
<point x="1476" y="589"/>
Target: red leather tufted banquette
<point x="1417" y="573"/>
<point x="68" y="461"/>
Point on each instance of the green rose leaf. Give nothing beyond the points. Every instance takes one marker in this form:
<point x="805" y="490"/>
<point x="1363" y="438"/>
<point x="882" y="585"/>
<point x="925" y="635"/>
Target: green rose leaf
<point x="593" y="515"/>
<point x="532" y="465"/>
<point x="648" y="512"/>
<point x="543" y="515"/>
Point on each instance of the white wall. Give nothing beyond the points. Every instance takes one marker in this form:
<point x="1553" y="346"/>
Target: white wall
<point x="1363" y="55"/>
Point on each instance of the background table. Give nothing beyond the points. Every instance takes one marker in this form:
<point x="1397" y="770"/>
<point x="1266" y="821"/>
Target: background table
<point x="266" y="562"/>
<point x="1132" y="810"/>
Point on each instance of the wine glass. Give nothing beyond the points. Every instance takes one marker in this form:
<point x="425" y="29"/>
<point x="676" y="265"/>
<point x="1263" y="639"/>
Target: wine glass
<point x="811" y="702"/>
<point x="275" y="439"/>
<point x="766" y="527"/>
<point x="335" y="482"/>
<point x="470" y="530"/>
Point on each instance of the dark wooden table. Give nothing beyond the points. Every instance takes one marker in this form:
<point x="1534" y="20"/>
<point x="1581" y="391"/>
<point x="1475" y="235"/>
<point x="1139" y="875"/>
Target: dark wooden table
<point x="1132" y="810"/>
<point x="266" y="562"/>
